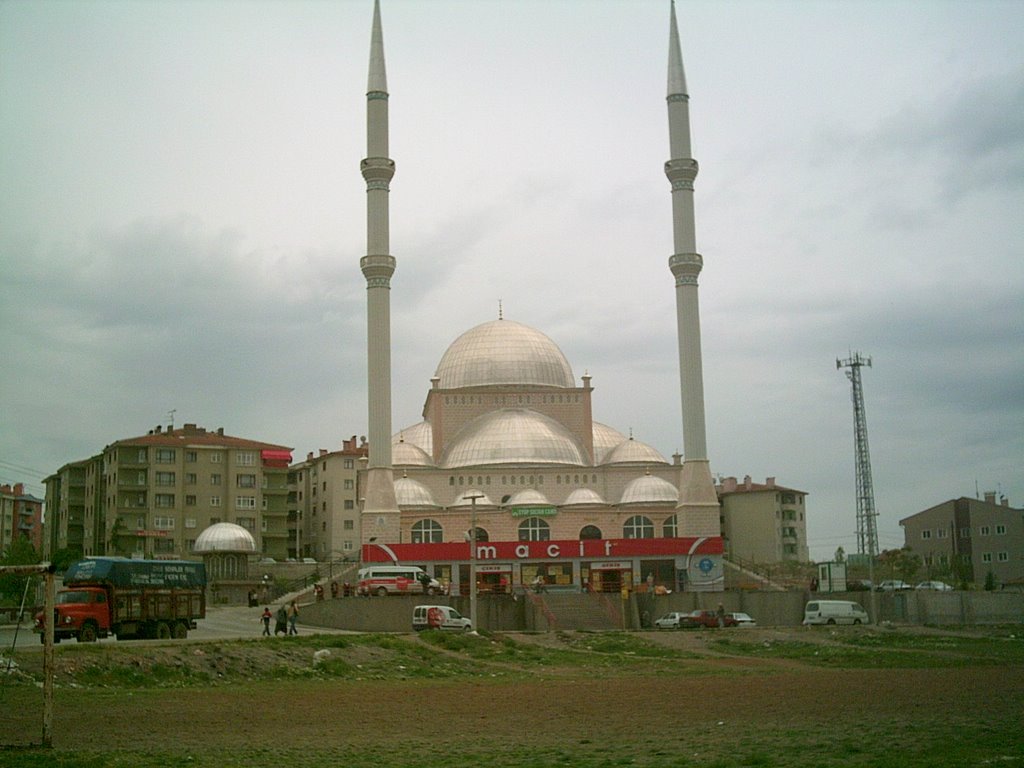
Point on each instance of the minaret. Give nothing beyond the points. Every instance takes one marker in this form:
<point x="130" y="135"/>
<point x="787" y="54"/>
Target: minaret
<point x="380" y="516"/>
<point x="697" y="509"/>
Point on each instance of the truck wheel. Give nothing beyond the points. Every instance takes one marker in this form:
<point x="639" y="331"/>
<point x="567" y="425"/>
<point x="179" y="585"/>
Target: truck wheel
<point x="831" y="621"/>
<point x="180" y="631"/>
<point x="382" y="592"/>
<point x="163" y="632"/>
<point x="87" y="634"/>
<point x="856" y="621"/>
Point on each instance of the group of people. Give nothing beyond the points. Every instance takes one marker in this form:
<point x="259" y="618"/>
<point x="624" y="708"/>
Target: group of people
<point x="284" y="620"/>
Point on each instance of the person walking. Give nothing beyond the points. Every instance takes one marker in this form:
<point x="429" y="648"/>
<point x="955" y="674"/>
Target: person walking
<point x="293" y="616"/>
<point x="265" y="617"/>
<point x="720" y="613"/>
<point x="281" y="624"/>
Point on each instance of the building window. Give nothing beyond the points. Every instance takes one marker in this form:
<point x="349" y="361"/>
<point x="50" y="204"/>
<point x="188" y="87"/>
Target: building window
<point x="165" y="455"/>
<point x="986" y="557"/>
<point x="590" y="532"/>
<point x="215" y="479"/>
<point x="670" y="527"/>
<point x="190" y="522"/>
<point x="190" y="500"/>
<point x="348" y="525"/>
<point x="246" y="481"/>
<point x="214" y="502"/>
<point x="1000" y="530"/>
<point x="350" y="504"/>
<point x="349" y="484"/>
<point x="165" y="478"/>
<point x="249" y="523"/>
<point x="425" y="532"/>
<point x="215" y="458"/>
<point x="245" y="459"/>
<point x="941" y="533"/>
<point x="926" y="534"/>
<point x="534" y="529"/>
<point x="638" y="527"/>
<point x="984" y="530"/>
<point x="965" y="533"/>
<point x="163" y="523"/>
<point x="191" y="457"/>
<point x="245" y="502"/>
<point x="1003" y="557"/>
<point x="348" y="464"/>
<point x="140" y="457"/>
<point x="190" y="478"/>
<point x="165" y="500"/>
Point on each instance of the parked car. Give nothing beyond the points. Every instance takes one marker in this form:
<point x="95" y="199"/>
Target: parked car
<point x="441" y="617"/>
<point x="893" y="585"/>
<point x="700" y="619"/>
<point x="938" y="586"/>
<point x="669" y="620"/>
<point x="744" y="619"/>
<point x="859" y="585"/>
<point x="834" y="612"/>
<point x="309" y="560"/>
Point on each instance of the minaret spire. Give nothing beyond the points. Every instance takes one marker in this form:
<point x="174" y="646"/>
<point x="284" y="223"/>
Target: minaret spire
<point x="698" y="503"/>
<point x="380" y="509"/>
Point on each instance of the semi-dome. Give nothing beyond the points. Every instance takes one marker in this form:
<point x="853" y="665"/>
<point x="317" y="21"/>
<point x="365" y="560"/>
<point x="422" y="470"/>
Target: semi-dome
<point x="224" y="537"/>
<point x="633" y="452"/>
<point x="413" y="493"/>
<point x="528" y="497"/>
<point x="504" y="352"/>
<point x="421" y="435"/>
<point x="605" y="438"/>
<point x="465" y="499"/>
<point x="649" y="490"/>
<point x="583" y="496"/>
<point x="513" y="436"/>
<point x="405" y="454"/>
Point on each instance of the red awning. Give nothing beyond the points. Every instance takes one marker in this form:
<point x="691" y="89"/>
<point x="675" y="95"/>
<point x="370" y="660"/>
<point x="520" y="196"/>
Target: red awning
<point x="276" y="457"/>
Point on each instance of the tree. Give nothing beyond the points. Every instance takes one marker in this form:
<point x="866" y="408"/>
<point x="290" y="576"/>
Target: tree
<point x="902" y="562"/>
<point x="20" y="552"/>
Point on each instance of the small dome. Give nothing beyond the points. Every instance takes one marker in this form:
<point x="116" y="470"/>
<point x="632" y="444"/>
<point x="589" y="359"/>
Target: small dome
<point x="412" y="493"/>
<point x="528" y="497"/>
<point x="409" y="455"/>
<point x="633" y="452"/>
<point x="513" y="436"/>
<point x="583" y="496"/>
<point x="649" y="490"/>
<point x="464" y="501"/>
<point x="225" y="537"/>
<point x="504" y="352"/>
<point x="605" y="438"/>
<point x="421" y="435"/>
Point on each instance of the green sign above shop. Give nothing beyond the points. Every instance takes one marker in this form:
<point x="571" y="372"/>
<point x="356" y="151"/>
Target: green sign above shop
<point x="534" y="511"/>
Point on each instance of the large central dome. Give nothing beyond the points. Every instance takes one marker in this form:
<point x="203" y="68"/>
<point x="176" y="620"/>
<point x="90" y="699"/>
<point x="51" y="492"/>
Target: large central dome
<point x="504" y="352"/>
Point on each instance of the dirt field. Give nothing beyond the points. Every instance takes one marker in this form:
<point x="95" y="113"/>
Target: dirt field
<point x="700" y="704"/>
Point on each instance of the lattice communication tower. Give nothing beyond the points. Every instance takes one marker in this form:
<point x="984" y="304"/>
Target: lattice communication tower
<point x="867" y="531"/>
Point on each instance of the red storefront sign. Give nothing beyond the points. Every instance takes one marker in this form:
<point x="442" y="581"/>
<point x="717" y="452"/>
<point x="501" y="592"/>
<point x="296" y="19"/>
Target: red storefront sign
<point x="602" y="549"/>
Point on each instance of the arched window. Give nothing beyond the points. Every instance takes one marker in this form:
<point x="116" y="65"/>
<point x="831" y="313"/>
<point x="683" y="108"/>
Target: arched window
<point x="590" y="532"/>
<point x="481" y="534"/>
<point x="427" y="532"/>
<point x="534" y="529"/>
<point x="669" y="527"/>
<point x="638" y="527"/>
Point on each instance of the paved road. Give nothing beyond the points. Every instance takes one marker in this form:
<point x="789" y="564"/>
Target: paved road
<point x="221" y="623"/>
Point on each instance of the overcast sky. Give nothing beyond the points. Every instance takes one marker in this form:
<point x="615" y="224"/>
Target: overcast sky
<point x="182" y="217"/>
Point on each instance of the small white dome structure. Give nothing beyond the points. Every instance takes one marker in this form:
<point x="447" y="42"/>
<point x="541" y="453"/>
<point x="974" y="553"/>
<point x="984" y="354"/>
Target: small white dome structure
<point x="225" y="537"/>
<point x="225" y="549"/>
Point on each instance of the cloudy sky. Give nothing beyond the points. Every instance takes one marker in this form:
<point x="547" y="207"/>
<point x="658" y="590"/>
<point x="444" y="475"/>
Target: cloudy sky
<point x="182" y="217"/>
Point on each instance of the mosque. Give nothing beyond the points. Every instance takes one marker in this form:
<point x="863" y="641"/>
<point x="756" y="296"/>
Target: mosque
<point x="508" y="446"/>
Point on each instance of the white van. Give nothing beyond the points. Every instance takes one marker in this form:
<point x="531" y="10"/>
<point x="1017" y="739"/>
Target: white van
<point x="385" y="580"/>
<point x="439" y="617"/>
<point x="834" y="612"/>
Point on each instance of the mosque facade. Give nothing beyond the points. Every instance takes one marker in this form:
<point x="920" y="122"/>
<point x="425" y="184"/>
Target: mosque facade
<point x="508" y="446"/>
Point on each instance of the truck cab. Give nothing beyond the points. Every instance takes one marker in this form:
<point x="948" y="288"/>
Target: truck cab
<point x="82" y="612"/>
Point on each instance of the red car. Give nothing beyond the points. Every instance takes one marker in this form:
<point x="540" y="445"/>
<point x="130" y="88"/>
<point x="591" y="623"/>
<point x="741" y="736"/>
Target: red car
<point x="699" y="619"/>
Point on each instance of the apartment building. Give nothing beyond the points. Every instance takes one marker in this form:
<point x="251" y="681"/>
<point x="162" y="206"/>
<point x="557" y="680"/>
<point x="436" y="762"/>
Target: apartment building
<point x="323" y="503"/>
<point x="152" y="495"/>
<point x="21" y="516"/>
<point x="763" y="522"/>
<point x="977" y="536"/>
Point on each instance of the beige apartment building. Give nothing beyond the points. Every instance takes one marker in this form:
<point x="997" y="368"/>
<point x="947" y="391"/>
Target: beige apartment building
<point x="323" y="503"/>
<point x="152" y="496"/>
<point x="763" y="522"/>
<point x="981" y="536"/>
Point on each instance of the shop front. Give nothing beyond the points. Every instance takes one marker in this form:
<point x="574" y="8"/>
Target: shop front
<point x="603" y="565"/>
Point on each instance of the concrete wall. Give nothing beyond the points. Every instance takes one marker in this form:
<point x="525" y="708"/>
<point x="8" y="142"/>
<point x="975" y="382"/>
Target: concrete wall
<point x="394" y="614"/>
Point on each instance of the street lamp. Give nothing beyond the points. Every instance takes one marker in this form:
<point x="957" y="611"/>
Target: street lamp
<point x="472" y="558"/>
